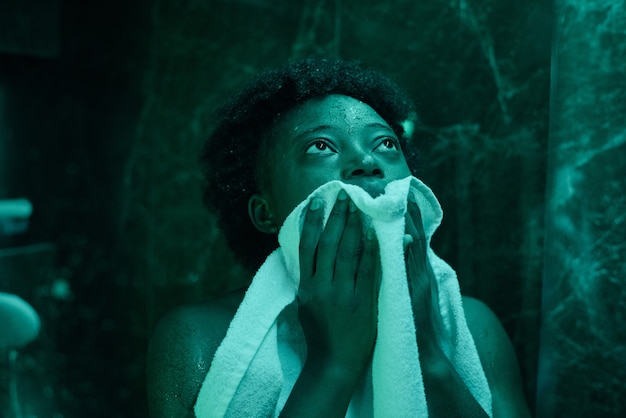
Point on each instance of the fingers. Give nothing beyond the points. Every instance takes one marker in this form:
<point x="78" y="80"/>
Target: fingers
<point x="339" y="253"/>
<point x="416" y="242"/>
<point x="421" y="279"/>
<point x="321" y="247"/>
<point x="347" y="256"/>
<point x="415" y="226"/>
<point x="368" y="271"/>
<point x="330" y="237"/>
<point x="415" y="254"/>
<point x="309" y="238"/>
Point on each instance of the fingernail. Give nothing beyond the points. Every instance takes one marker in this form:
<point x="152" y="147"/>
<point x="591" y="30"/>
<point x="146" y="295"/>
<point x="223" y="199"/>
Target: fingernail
<point x="407" y="239"/>
<point x="316" y="203"/>
<point x="342" y="195"/>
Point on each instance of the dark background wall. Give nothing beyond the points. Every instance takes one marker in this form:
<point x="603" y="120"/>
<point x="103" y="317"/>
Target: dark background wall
<point x="103" y="111"/>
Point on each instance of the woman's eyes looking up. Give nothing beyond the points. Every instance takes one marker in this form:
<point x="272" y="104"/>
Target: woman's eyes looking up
<point x="319" y="146"/>
<point x="388" y="144"/>
<point x="322" y="146"/>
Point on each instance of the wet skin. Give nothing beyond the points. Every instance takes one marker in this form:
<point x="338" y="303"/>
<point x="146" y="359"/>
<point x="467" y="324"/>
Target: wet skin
<point x="334" y="138"/>
<point x="331" y="138"/>
<point x="339" y="138"/>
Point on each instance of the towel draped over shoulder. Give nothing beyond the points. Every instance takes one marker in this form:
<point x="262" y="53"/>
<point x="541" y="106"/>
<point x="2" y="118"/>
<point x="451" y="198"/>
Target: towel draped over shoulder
<point x="261" y="357"/>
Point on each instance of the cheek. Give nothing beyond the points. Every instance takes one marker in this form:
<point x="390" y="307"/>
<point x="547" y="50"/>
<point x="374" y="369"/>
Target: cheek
<point x="291" y="195"/>
<point x="285" y="196"/>
<point x="402" y="170"/>
<point x="292" y="190"/>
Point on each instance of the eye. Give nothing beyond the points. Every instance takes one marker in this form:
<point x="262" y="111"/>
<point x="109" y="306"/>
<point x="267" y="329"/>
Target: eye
<point x="319" y="146"/>
<point x="388" y="144"/>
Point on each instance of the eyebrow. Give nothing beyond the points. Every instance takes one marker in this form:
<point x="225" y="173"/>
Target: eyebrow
<point x="313" y="130"/>
<point x="325" y="127"/>
<point x="378" y="125"/>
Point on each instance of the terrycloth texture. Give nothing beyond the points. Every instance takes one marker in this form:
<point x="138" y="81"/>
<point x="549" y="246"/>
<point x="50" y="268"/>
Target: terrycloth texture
<point x="258" y="362"/>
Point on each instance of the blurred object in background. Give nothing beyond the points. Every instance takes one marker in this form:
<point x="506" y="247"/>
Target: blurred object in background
<point x="20" y="322"/>
<point x="20" y="326"/>
<point x="21" y="271"/>
<point x="14" y="214"/>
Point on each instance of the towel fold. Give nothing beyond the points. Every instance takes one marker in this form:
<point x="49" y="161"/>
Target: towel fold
<point x="259" y="360"/>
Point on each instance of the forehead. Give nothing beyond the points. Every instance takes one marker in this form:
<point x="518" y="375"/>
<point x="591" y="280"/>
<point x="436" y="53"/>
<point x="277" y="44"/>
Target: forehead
<point x="334" y="110"/>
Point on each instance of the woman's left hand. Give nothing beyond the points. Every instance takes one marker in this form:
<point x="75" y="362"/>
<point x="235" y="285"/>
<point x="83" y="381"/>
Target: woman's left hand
<point x="421" y="279"/>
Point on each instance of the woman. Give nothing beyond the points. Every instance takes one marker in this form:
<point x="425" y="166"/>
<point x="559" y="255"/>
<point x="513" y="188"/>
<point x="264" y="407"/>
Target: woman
<point x="292" y="130"/>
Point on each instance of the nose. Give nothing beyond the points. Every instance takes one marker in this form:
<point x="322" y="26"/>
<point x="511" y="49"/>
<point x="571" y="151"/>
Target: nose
<point x="362" y="164"/>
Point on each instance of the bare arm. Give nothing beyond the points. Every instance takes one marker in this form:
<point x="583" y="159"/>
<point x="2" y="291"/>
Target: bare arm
<point x="179" y="355"/>
<point x="498" y="359"/>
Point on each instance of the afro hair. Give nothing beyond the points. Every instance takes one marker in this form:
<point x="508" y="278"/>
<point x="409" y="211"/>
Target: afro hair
<point x="230" y="157"/>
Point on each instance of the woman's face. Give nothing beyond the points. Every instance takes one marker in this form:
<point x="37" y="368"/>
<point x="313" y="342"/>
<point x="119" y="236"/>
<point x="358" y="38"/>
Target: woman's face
<point x="329" y="138"/>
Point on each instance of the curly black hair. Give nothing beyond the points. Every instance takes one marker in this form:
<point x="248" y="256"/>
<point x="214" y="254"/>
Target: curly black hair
<point x="231" y="155"/>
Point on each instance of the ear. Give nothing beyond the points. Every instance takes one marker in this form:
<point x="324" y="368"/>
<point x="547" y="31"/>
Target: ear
<point x="261" y="215"/>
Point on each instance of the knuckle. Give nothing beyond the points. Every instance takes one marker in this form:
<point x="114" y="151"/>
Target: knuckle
<point x="327" y="241"/>
<point x="366" y="270"/>
<point x="312" y="219"/>
<point x="370" y="249"/>
<point x="368" y="264"/>
<point x="346" y="254"/>
<point x="306" y="246"/>
<point x="339" y="208"/>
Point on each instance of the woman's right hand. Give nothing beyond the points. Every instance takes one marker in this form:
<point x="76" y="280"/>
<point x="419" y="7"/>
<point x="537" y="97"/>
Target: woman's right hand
<point x="339" y="266"/>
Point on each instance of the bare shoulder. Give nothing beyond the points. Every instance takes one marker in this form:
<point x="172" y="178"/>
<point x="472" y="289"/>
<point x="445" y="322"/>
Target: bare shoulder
<point x="181" y="350"/>
<point x="498" y="359"/>
<point x="481" y="320"/>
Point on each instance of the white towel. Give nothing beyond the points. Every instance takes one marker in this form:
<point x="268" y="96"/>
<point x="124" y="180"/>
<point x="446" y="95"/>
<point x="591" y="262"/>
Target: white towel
<point x="259" y="360"/>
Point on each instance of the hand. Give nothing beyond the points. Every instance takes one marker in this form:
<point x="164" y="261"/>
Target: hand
<point x="338" y="286"/>
<point x="446" y="392"/>
<point x="421" y="280"/>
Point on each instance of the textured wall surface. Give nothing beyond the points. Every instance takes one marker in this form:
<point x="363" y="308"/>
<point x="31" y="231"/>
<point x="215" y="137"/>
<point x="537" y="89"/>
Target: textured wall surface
<point x="480" y="77"/>
<point x="103" y="138"/>
<point x="583" y="372"/>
